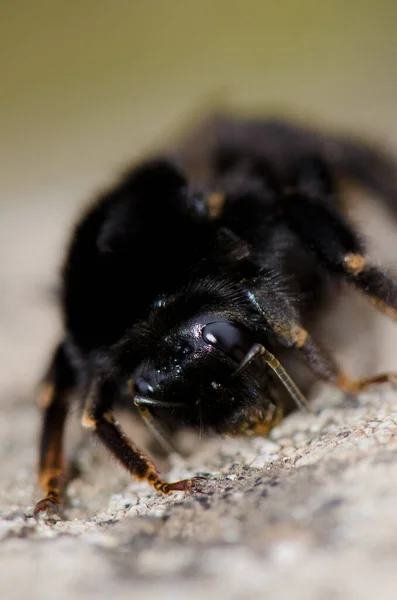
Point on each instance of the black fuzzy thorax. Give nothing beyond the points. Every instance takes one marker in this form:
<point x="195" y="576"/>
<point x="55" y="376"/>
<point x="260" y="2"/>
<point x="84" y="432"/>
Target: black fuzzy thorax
<point x="148" y="261"/>
<point x="143" y="242"/>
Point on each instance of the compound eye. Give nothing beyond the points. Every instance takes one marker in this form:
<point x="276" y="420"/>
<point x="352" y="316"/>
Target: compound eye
<point x="227" y="337"/>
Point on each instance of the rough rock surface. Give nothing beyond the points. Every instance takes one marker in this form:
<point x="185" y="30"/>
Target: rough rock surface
<point x="310" y="511"/>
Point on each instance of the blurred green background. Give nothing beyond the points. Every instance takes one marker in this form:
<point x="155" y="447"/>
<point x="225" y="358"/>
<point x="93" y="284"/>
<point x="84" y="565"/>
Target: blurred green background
<point x="87" y="86"/>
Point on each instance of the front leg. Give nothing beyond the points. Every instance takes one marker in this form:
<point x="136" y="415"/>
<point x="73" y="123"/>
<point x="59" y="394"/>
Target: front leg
<point x="99" y="418"/>
<point x="280" y="321"/>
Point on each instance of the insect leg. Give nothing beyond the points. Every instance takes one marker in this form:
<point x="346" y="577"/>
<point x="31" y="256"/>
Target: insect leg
<point x="279" y="319"/>
<point x="98" y="417"/>
<point x="54" y="399"/>
<point x="370" y="166"/>
<point x="328" y="233"/>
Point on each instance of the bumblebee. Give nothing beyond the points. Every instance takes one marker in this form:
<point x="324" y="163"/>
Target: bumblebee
<point x="179" y="288"/>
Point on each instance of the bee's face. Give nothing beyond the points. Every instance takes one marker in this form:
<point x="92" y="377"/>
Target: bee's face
<point x="190" y="377"/>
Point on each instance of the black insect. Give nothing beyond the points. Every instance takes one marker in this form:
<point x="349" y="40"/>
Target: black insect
<point x="179" y="288"/>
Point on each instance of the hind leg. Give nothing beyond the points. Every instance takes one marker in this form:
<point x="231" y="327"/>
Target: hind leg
<point x="311" y="213"/>
<point x="58" y="384"/>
